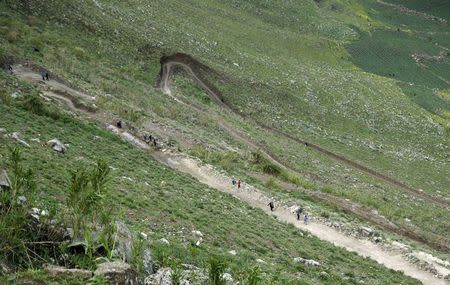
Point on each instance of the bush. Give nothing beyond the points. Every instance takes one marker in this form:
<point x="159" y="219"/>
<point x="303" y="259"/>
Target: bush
<point x="217" y="267"/>
<point x="86" y="192"/>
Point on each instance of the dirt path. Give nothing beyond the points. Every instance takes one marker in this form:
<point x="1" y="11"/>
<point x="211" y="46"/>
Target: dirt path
<point x="209" y="176"/>
<point x="254" y="197"/>
<point x="191" y="66"/>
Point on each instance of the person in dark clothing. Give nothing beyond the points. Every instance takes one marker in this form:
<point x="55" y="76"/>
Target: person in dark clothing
<point x="43" y="72"/>
<point x="299" y="212"/>
<point x="46" y="76"/>
<point x="271" y="205"/>
<point x="239" y="183"/>
<point x="155" y="144"/>
<point x="119" y="124"/>
<point x="233" y="181"/>
<point x="10" y="70"/>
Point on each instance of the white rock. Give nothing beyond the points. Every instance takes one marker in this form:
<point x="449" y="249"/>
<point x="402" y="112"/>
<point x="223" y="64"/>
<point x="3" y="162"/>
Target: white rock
<point x="15" y="136"/>
<point x="57" y="145"/>
<point x="144" y="236"/>
<point x="164" y="241"/>
<point x="306" y="261"/>
<point x="44" y="213"/>
<point x="232" y="252"/>
<point x="227" y="277"/>
<point x="198" y="233"/>
<point x="260" y="260"/>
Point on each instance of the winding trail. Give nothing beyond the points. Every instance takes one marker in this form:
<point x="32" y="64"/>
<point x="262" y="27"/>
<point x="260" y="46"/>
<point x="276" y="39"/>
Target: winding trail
<point x="197" y="70"/>
<point x="254" y="197"/>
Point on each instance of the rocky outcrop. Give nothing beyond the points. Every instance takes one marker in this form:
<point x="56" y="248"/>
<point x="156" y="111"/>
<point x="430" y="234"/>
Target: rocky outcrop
<point x="118" y="273"/>
<point x="307" y="261"/>
<point x="57" y="145"/>
<point x="54" y="270"/>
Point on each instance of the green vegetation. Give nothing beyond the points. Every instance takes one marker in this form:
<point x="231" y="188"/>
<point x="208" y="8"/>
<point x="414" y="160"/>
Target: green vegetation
<point x="317" y="70"/>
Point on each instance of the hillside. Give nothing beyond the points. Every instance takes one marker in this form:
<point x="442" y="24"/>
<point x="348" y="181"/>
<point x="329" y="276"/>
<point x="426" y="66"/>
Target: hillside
<point x="342" y="107"/>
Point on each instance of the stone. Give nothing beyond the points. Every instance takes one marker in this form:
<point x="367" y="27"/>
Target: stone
<point x="2" y="130"/>
<point x="118" y="272"/>
<point x="164" y="241"/>
<point x="149" y="265"/>
<point x="22" y="200"/>
<point x="198" y="233"/>
<point x="232" y="252"/>
<point x="227" y="278"/>
<point x="124" y="241"/>
<point x="365" y="231"/>
<point x="57" y="145"/>
<point x="5" y="183"/>
<point x="112" y="129"/>
<point x="306" y="261"/>
<point x="16" y="135"/>
<point x="162" y="277"/>
<point x="144" y="236"/>
<point x="54" y="271"/>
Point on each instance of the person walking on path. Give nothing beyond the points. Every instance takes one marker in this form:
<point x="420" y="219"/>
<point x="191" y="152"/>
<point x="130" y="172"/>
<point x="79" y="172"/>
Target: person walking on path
<point x="233" y="181"/>
<point x="239" y="183"/>
<point x="271" y="205"/>
<point x="299" y="212"/>
<point x="306" y="219"/>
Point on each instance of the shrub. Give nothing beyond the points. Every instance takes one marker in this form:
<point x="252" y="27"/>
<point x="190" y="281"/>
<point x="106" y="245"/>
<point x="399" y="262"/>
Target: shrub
<point x="86" y="192"/>
<point x="254" y="276"/>
<point x="217" y="267"/>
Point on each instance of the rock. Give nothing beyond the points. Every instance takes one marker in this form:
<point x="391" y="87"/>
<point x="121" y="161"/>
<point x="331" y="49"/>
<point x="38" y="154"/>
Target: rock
<point x="149" y="266"/>
<point x="365" y="231"/>
<point x="112" y="129"/>
<point x="22" y="200"/>
<point x="54" y="271"/>
<point x="260" y="260"/>
<point x="144" y="236"/>
<point x="198" y="233"/>
<point x="162" y="277"/>
<point x="118" y="272"/>
<point x="15" y="136"/>
<point x="198" y="243"/>
<point x="164" y="241"/>
<point x="57" y="145"/>
<point x="124" y="241"/>
<point x="5" y="183"/>
<point x="306" y="261"/>
<point x="232" y="252"/>
<point x="2" y="130"/>
<point x="227" y="278"/>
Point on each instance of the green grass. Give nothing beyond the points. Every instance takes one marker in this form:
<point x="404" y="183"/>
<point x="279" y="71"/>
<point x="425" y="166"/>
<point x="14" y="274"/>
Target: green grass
<point x="314" y="70"/>
<point x="174" y="204"/>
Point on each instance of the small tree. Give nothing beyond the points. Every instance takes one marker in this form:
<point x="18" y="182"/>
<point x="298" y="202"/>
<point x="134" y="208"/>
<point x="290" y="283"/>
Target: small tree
<point x="86" y="196"/>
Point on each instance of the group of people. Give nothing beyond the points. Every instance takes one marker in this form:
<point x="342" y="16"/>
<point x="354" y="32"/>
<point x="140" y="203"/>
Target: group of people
<point x="298" y="212"/>
<point x="149" y="139"/>
<point x="235" y="182"/>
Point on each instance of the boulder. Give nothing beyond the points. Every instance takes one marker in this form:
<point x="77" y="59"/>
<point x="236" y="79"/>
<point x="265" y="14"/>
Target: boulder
<point x="306" y="261"/>
<point x="5" y="183"/>
<point x="57" y="145"/>
<point x="149" y="265"/>
<point x="198" y="233"/>
<point x="232" y="252"/>
<point x="162" y="277"/>
<point x="54" y="271"/>
<point x="118" y="273"/>
<point x="124" y="241"/>
<point x="227" y="278"/>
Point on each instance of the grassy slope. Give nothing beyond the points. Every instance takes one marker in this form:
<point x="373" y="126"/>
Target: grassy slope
<point x="292" y="74"/>
<point x="174" y="204"/>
